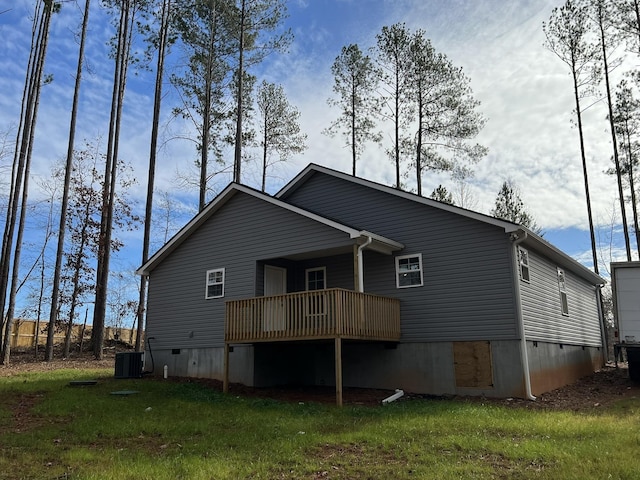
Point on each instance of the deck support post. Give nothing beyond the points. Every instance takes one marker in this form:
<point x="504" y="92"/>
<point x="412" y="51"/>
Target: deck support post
<point x="338" y="352"/>
<point x="225" y="382"/>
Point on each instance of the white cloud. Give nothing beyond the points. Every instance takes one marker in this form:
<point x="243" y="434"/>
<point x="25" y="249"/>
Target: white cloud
<point x="526" y="94"/>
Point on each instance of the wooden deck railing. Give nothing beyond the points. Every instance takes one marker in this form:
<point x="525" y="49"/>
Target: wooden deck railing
<point x="330" y="313"/>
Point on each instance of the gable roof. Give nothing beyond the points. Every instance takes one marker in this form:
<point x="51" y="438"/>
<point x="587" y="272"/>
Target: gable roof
<point x="527" y="236"/>
<point x="377" y="242"/>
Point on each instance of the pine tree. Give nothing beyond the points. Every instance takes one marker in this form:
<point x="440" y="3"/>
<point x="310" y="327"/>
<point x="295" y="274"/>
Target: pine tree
<point x="509" y="206"/>
<point x="445" y="112"/>
<point x="441" y="194"/>
<point x="566" y="35"/>
<point x="279" y="127"/>
<point x="355" y="78"/>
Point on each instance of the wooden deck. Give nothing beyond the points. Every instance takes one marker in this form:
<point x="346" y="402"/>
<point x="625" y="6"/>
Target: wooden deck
<point x="318" y="314"/>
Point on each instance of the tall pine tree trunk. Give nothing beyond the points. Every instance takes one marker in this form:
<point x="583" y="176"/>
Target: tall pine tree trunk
<point x="237" y="162"/>
<point x="17" y="169"/>
<point x="600" y="21"/>
<point x="594" y="251"/>
<point x="157" y="101"/>
<point x="22" y="166"/>
<point x="111" y="168"/>
<point x="68" y="170"/>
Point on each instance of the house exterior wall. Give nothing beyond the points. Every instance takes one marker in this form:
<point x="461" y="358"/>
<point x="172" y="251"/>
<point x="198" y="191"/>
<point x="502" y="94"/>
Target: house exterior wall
<point x="541" y="308"/>
<point x="466" y="311"/>
<point x="242" y="232"/>
<point x="468" y="291"/>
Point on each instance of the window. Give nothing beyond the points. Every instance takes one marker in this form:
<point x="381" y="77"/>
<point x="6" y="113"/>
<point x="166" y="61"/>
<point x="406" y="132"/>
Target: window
<point x="409" y="271"/>
<point x="215" y="283"/>
<point x="564" y="304"/>
<point x="523" y="261"/>
<point x="316" y="278"/>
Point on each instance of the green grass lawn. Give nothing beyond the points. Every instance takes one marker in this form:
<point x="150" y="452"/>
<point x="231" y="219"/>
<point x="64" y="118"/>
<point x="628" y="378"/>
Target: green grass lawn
<point x="49" y="429"/>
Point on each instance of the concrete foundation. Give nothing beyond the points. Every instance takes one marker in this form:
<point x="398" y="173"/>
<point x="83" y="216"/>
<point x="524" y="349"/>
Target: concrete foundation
<point x="554" y="365"/>
<point x="428" y="368"/>
<point x="204" y="363"/>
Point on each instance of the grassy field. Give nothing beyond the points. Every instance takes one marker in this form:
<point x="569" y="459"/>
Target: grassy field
<point x="49" y="429"/>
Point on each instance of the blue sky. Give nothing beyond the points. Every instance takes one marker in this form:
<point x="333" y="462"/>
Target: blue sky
<point x="525" y="93"/>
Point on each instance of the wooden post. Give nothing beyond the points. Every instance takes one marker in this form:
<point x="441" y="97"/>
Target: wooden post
<point x="338" y="351"/>
<point x="225" y="382"/>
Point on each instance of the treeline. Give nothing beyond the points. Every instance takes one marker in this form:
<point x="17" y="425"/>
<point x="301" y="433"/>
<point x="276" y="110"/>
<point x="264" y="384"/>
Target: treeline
<point x="214" y="48"/>
<point x="592" y="37"/>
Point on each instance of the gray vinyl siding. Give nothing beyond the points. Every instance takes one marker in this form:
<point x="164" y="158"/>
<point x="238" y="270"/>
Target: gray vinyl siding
<point x="244" y="232"/>
<point x="541" y="309"/>
<point x="468" y="291"/>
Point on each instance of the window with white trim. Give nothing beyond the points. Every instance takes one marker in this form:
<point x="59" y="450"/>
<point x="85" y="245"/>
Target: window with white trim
<point x="523" y="262"/>
<point x="316" y="278"/>
<point x="215" y="283"/>
<point x="409" y="271"/>
<point x="564" y="303"/>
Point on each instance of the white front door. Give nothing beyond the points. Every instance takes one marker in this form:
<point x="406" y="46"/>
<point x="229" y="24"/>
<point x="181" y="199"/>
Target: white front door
<point x="275" y="283"/>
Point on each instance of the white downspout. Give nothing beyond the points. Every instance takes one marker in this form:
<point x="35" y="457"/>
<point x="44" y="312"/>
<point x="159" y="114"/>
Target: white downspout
<point x="523" y="346"/>
<point x="361" y="264"/>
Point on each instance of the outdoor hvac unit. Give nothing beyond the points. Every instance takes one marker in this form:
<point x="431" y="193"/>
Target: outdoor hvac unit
<point x="129" y="365"/>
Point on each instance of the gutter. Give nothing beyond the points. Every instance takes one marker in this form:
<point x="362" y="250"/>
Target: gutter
<point x="517" y="240"/>
<point x="361" y="265"/>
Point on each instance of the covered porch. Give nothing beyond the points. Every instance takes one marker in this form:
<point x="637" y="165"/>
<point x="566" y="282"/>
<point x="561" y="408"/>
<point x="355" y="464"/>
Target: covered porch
<point x="333" y="313"/>
<point x="315" y="296"/>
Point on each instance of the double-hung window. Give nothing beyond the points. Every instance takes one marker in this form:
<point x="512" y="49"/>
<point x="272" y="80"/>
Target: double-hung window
<point x="316" y="278"/>
<point x="523" y="262"/>
<point x="409" y="271"/>
<point x="215" y="283"/>
<point x="562" y="287"/>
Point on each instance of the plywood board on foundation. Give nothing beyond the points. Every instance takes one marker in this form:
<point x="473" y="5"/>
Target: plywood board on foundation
<point x="472" y="362"/>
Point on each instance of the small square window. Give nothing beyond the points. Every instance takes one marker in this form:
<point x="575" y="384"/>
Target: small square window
<point x="523" y="261"/>
<point x="215" y="283"/>
<point x="409" y="271"/>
